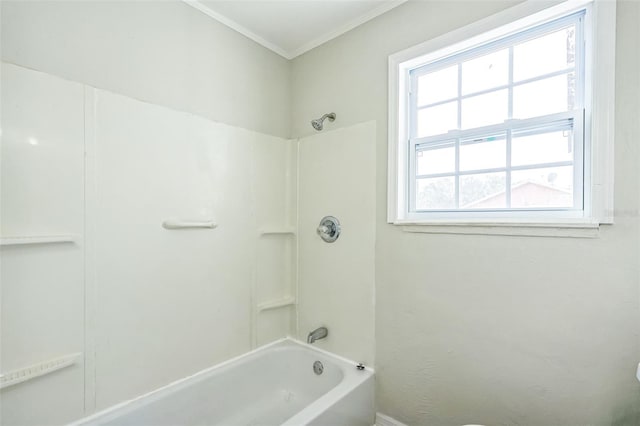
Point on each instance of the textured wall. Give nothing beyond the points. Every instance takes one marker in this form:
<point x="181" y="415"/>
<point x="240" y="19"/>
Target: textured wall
<point x="164" y="52"/>
<point x="489" y="329"/>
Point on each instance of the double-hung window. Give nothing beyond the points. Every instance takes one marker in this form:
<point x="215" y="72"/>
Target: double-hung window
<point x="497" y="128"/>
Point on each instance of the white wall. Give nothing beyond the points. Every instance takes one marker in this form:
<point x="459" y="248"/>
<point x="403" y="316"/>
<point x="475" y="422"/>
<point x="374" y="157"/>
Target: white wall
<point x="163" y="52"/>
<point x="489" y="329"/>
<point x="449" y="349"/>
<point x="336" y="280"/>
<point x="42" y="311"/>
<point x="144" y="305"/>
<point x="171" y="303"/>
<point x="275" y="179"/>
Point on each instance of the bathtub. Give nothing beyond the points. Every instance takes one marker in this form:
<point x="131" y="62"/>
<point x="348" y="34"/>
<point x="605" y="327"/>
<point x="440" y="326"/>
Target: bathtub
<point x="272" y="385"/>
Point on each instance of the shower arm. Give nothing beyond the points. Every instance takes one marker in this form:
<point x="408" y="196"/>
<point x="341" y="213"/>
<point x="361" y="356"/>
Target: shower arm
<point x="331" y="116"/>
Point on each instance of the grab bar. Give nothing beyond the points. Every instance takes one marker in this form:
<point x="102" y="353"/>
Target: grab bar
<point x="180" y="224"/>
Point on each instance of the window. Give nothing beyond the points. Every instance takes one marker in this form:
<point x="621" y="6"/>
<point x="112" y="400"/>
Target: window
<point x="499" y="127"/>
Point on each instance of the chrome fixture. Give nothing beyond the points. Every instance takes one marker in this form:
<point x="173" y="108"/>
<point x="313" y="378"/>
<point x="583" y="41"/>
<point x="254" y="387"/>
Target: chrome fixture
<point x="317" y="334"/>
<point x="318" y="368"/>
<point x="318" y="122"/>
<point x="360" y="366"/>
<point x="329" y="229"/>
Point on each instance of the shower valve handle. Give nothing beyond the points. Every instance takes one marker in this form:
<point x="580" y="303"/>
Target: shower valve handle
<point x="322" y="229"/>
<point x="329" y="229"/>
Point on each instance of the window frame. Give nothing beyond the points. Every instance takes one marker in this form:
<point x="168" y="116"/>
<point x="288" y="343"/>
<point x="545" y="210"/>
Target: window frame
<point x="598" y="78"/>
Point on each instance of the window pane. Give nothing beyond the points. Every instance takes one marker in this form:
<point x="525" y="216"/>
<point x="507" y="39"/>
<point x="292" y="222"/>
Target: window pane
<point x="438" y="119"/>
<point x="483" y="153"/>
<point x="440" y="158"/>
<point x="548" y="187"/>
<point x="485" y="72"/>
<point x="438" y="86"/>
<point x="435" y="194"/>
<point x="484" y="110"/>
<point x="546" y="54"/>
<point x="483" y="191"/>
<point x="548" y="96"/>
<point x="549" y="147"/>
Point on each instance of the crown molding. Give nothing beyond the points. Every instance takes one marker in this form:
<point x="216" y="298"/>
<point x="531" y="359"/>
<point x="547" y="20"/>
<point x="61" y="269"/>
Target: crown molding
<point x="291" y="54"/>
<point x="196" y="4"/>
<point x="383" y="8"/>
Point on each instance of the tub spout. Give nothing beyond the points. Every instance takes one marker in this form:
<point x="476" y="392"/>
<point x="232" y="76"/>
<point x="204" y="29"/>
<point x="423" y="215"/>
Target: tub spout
<point x="317" y="334"/>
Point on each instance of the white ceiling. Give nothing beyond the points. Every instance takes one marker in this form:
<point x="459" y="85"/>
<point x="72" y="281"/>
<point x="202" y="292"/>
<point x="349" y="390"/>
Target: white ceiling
<point x="292" y="27"/>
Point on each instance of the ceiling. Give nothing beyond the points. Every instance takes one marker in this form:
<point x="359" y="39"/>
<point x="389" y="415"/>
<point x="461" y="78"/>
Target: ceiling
<point x="292" y="27"/>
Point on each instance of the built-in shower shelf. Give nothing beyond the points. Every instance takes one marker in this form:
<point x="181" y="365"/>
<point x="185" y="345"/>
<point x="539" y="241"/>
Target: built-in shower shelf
<point x="280" y="303"/>
<point x="20" y="375"/>
<point x="278" y="231"/>
<point x="43" y="239"/>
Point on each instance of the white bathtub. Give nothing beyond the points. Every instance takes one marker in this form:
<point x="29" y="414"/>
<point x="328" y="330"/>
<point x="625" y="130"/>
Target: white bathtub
<point x="272" y="385"/>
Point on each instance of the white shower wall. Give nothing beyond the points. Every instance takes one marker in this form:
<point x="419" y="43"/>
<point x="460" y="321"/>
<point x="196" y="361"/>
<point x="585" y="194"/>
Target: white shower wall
<point x="183" y="298"/>
<point x="144" y="305"/>
<point x="42" y="286"/>
<point x="141" y="304"/>
<point x="336" y="280"/>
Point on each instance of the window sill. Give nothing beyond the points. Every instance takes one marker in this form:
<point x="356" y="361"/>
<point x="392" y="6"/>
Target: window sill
<point x="516" y="229"/>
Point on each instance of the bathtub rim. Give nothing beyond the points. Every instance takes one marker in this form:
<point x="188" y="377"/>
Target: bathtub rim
<point x="321" y="401"/>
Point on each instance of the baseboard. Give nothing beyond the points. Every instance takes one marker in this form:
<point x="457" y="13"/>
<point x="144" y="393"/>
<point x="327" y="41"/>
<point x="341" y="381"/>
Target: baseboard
<point x="382" y="420"/>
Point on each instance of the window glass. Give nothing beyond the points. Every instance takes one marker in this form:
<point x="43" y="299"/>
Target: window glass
<point x="488" y="152"/>
<point x="483" y="191"/>
<point x="485" y="72"/>
<point x="435" y="193"/>
<point x="546" y="54"/>
<point x="539" y="148"/>
<point x="542" y="97"/>
<point x="437" y="120"/>
<point x="494" y="125"/>
<point x="539" y="188"/>
<point x="484" y="110"/>
<point x="438" y="86"/>
<point x="440" y="158"/>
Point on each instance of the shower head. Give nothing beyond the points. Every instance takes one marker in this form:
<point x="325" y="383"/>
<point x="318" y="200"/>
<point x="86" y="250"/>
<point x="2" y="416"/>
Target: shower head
<point x="318" y="122"/>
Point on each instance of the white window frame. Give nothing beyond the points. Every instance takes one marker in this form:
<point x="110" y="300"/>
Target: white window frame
<point x="599" y="86"/>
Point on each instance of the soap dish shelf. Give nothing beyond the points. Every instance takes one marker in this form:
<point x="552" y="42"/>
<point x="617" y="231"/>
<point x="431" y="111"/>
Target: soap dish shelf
<point x="20" y="375"/>
<point x="276" y="304"/>
<point x="42" y="239"/>
<point x="277" y="231"/>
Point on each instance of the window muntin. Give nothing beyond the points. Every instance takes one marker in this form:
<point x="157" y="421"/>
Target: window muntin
<point x="507" y="119"/>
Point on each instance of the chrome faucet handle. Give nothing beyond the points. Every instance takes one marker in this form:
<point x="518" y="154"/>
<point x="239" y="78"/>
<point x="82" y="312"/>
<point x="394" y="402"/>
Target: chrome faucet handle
<point x="329" y="229"/>
<point x="322" y="229"/>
